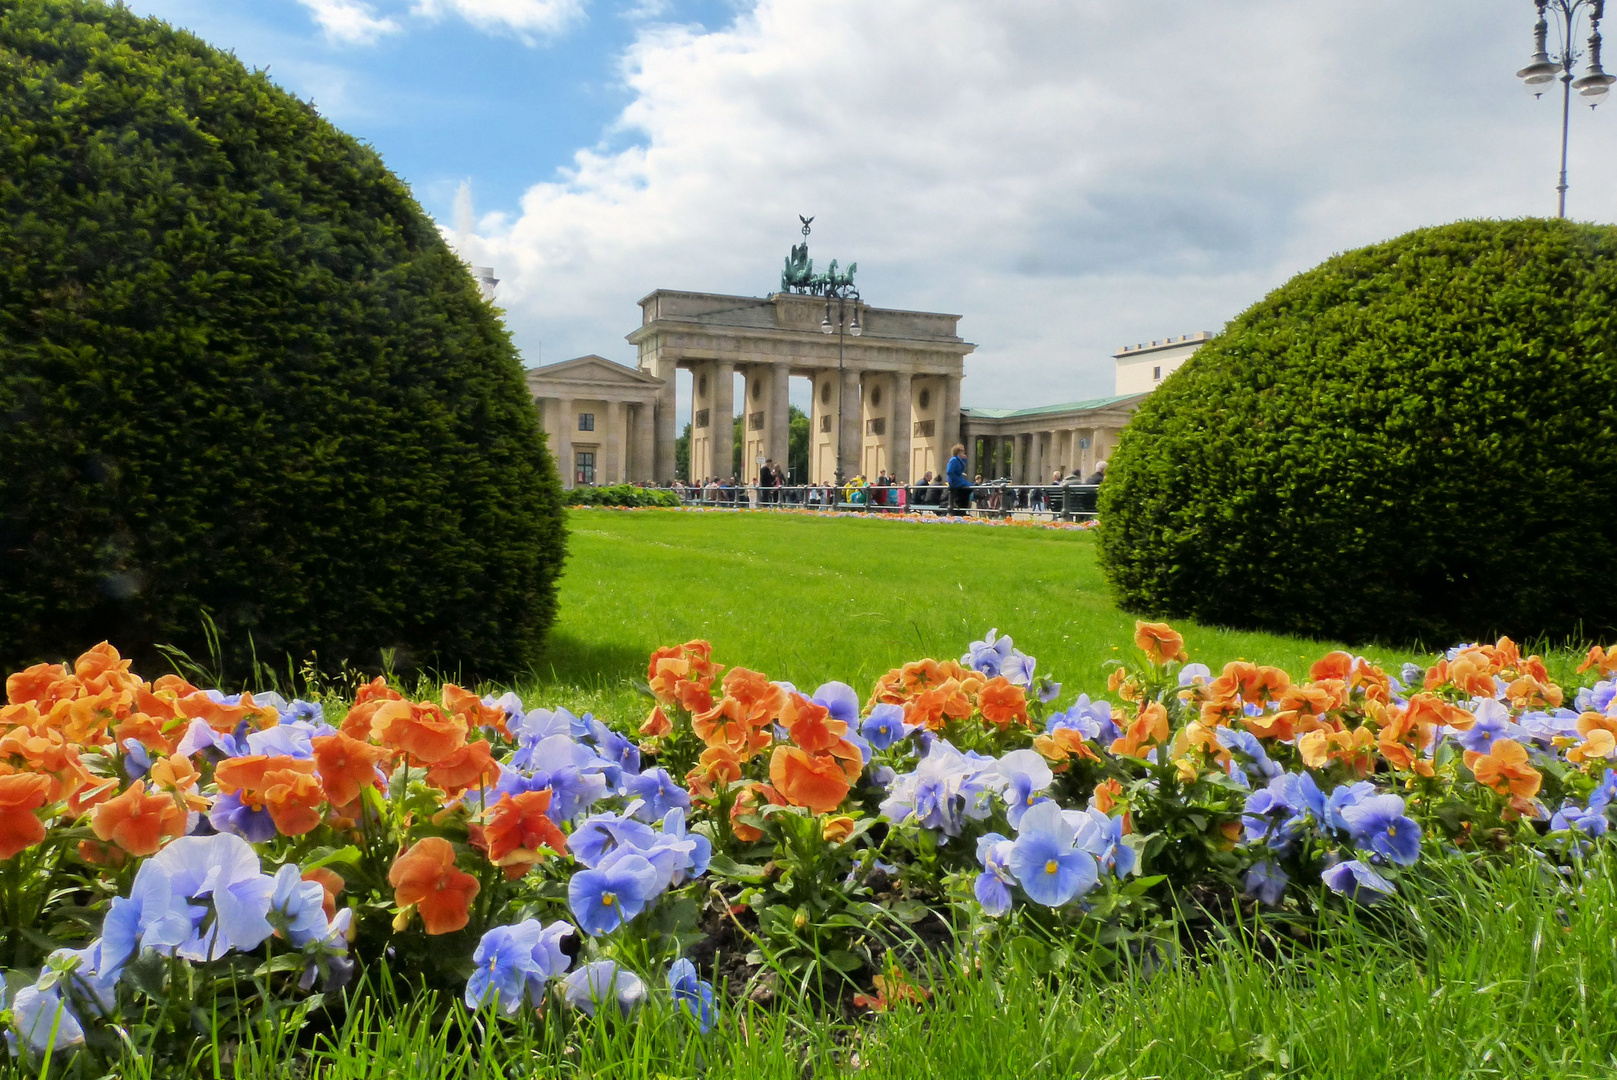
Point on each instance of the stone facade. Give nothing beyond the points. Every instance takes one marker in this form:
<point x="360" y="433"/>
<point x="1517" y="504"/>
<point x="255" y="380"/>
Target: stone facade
<point x="887" y="398"/>
<point x="1027" y="446"/>
<point x="1141" y="368"/>
<point x="599" y="417"/>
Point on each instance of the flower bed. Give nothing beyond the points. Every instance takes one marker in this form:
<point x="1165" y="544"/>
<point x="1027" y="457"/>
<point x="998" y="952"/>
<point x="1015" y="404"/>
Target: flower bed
<point x="877" y="515"/>
<point x="167" y="847"/>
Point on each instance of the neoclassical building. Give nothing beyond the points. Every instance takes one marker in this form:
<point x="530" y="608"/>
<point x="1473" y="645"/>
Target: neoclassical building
<point x="886" y="392"/>
<point x="599" y="417"/>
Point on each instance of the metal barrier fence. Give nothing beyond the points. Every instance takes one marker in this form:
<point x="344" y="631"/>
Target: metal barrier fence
<point x="1064" y="502"/>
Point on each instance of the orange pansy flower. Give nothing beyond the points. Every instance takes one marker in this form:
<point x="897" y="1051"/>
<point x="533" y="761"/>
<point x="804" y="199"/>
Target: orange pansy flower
<point x="1062" y="743"/>
<point x="1504" y="768"/>
<point x="1150" y="727"/>
<point x="346" y="765"/>
<point x="470" y="708"/>
<point x="369" y="698"/>
<point x="1603" y="659"/>
<point x="1160" y="642"/>
<point x="101" y="668"/>
<point x="420" y="729"/>
<point x="519" y="828"/>
<point x="471" y="766"/>
<point x="42" y="685"/>
<point x="834" y="830"/>
<point x="426" y="876"/>
<point x="718" y="765"/>
<point x="816" y="781"/>
<point x="20" y="795"/>
<point x="748" y="800"/>
<point x="1106" y="795"/>
<point x="1002" y="703"/>
<point x="293" y="798"/>
<point x="810" y="724"/>
<point x="657" y="724"/>
<point x="137" y="821"/>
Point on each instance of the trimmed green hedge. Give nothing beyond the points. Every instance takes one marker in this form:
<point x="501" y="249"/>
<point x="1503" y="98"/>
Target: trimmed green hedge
<point x="241" y="373"/>
<point x="1416" y="441"/>
<point x="621" y="495"/>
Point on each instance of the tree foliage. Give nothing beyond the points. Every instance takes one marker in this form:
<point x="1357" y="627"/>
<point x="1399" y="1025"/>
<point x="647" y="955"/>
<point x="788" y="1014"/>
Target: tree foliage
<point x="1413" y="441"/>
<point x="243" y="375"/>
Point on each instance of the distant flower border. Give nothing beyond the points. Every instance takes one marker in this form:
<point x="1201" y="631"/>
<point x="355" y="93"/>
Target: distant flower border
<point x="865" y="515"/>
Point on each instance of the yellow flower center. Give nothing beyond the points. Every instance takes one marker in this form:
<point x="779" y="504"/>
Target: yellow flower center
<point x="1050" y="867"/>
<point x="1392" y="830"/>
<point x="607" y="899"/>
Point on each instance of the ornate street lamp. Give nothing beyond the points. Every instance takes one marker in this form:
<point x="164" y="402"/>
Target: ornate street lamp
<point x="845" y="295"/>
<point x="1544" y="68"/>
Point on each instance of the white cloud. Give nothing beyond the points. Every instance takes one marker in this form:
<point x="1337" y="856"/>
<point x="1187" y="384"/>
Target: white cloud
<point x="1065" y="174"/>
<point x="524" y="18"/>
<point x="349" y="22"/>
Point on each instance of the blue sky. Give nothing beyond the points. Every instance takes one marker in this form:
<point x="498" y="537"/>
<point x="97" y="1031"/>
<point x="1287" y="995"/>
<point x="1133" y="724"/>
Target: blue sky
<point x="445" y="100"/>
<point x="1067" y="175"/>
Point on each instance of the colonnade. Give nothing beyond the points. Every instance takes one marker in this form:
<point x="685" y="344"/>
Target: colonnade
<point x="1032" y="457"/>
<point x="863" y="420"/>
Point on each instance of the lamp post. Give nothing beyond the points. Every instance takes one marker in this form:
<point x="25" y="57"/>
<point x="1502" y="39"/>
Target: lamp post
<point x="1544" y="69"/>
<point x="844" y="295"/>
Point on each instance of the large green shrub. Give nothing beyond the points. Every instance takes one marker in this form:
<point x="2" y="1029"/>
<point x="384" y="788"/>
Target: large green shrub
<point x="1413" y="441"/>
<point x="243" y="374"/>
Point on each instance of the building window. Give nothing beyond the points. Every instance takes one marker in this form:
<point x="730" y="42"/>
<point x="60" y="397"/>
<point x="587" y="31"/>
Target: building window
<point x="586" y="421"/>
<point x="755" y="421"/>
<point x="1156" y="374"/>
<point x="923" y="429"/>
<point x="700" y="419"/>
<point x="877" y="426"/>
<point x="584" y="467"/>
<point x="825" y="424"/>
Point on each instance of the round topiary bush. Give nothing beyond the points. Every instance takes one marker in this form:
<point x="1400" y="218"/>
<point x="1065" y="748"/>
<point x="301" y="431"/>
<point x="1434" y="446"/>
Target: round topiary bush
<point x="1413" y="442"/>
<point x="242" y="374"/>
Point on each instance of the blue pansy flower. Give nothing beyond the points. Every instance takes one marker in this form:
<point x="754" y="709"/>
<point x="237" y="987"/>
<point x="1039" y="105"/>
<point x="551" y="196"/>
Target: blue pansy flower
<point x="658" y="793"/>
<point x="1379" y="823"/>
<point x="1046" y="860"/>
<point x="603" y="983"/>
<point x="691" y="994"/>
<point x="993" y="886"/>
<point x="1356" y="881"/>
<point x="1266" y="881"/>
<point x="885" y="727"/>
<point x="613" y="893"/>
<point x="1025" y="775"/>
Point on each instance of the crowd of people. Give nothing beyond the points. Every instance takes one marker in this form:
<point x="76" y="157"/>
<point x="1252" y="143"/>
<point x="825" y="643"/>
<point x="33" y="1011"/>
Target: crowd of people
<point x="951" y="491"/>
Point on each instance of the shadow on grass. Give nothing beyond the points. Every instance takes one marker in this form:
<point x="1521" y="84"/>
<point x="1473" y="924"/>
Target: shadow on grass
<point x="571" y="661"/>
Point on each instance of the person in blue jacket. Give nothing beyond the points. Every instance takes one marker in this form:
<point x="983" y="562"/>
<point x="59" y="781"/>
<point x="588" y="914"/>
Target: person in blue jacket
<point x="959" y="486"/>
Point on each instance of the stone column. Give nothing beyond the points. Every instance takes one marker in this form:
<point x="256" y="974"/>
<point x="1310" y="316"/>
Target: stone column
<point x="658" y="420"/>
<point x="949" y="422"/>
<point x="644" y="456"/>
<point x="902" y="420"/>
<point x="778" y="419"/>
<point x="615" y="445"/>
<point x="722" y="420"/>
<point x="850" y="426"/>
<point x="566" y="421"/>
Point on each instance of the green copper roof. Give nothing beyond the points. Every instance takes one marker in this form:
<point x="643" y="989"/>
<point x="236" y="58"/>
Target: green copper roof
<point x="1071" y="406"/>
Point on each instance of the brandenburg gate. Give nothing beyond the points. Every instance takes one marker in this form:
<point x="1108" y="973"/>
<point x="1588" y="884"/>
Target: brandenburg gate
<point x="886" y="383"/>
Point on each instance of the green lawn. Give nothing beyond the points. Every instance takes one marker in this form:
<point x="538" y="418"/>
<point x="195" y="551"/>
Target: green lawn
<point x="809" y="599"/>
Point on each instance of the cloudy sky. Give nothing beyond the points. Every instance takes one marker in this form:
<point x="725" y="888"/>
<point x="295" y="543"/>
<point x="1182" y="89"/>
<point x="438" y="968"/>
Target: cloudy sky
<point x="1068" y="175"/>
